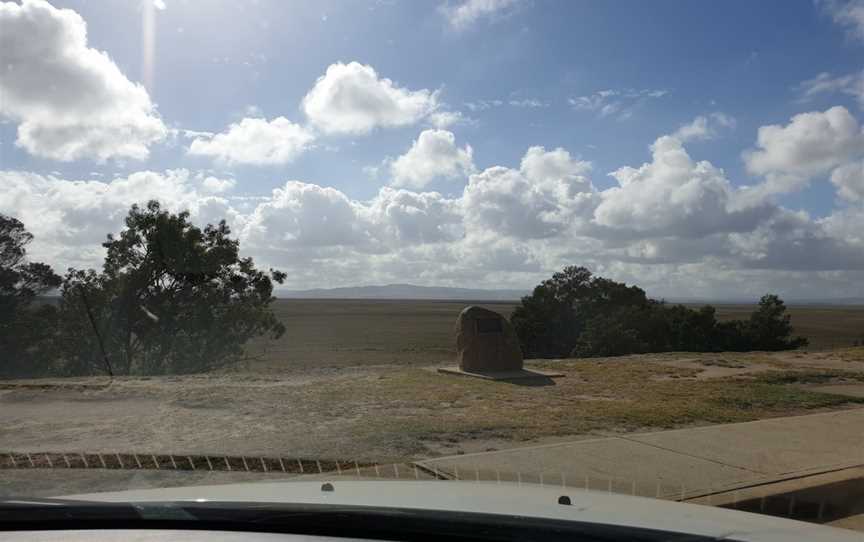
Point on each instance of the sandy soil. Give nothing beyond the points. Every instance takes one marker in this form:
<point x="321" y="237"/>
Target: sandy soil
<point x="369" y="412"/>
<point x="221" y="414"/>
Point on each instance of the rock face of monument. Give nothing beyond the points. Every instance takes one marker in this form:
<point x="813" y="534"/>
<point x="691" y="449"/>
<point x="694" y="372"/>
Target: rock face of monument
<point x="486" y="342"/>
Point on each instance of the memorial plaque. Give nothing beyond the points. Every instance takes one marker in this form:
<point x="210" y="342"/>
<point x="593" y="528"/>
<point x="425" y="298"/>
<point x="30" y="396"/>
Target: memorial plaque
<point x="490" y="325"/>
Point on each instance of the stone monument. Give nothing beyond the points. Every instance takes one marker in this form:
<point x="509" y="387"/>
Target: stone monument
<point x="486" y="342"/>
<point x="487" y="347"/>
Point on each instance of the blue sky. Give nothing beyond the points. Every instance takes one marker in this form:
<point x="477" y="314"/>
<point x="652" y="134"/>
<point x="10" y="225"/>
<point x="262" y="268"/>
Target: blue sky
<point x="599" y="80"/>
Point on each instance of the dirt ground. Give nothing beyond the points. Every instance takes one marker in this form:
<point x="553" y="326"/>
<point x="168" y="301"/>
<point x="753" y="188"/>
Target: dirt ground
<point x="396" y="413"/>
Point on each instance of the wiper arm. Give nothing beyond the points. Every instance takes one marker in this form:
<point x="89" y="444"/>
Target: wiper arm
<point x="25" y="502"/>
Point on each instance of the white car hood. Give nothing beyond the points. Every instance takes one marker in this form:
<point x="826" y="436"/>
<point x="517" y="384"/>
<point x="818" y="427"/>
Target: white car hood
<point x="510" y="499"/>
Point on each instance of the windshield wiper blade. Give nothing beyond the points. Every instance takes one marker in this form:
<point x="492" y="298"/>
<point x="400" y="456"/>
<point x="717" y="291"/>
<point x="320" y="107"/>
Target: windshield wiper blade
<point x="39" y="501"/>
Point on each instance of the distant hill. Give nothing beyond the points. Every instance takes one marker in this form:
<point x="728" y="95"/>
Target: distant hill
<point x="792" y="302"/>
<point x="403" y="291"/>
<point x="410" y="291"/>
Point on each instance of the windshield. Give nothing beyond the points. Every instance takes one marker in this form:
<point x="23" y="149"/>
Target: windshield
<point x="611" y="246"/>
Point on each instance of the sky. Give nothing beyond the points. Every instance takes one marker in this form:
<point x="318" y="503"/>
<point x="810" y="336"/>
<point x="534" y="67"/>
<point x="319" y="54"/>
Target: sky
<point x="698" y="149"/>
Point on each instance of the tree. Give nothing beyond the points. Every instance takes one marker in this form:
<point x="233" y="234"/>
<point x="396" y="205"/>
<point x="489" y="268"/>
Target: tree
<point x="771" y="328"/>
<point x="734" y="336"/>
<point x="546" y="321"/>
<point x="691" y="330"/>
<point x="85" y="323"/>
<point x="551" y="321"/>
<point x="171" y="298"/>
<point x="25" y="327"/>
<point x="606" y="335"/>
<point x="577" y="314"/>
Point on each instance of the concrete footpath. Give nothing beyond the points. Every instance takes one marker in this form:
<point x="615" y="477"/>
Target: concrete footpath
<point x="678" y="464"/>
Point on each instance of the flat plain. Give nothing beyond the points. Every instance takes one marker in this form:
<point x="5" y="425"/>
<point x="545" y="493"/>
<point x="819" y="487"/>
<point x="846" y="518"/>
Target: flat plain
<point x="826" y="326"/>
<point x="334" y="333"/>
<point x="357" y="380"/>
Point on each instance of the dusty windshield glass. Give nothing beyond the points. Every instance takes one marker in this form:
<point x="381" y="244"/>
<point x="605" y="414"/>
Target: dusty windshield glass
<point x="613" y="246"/>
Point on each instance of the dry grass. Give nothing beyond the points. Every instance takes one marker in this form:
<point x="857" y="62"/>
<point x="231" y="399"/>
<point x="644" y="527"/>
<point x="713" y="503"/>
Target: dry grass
<point x="850" y="354"/>
<point x="356" y="379"/>
<point x="419" y="408"/>
<point x="396" y="413"/>
<point x="338" y="333"/>
<point x="826" y="327"/>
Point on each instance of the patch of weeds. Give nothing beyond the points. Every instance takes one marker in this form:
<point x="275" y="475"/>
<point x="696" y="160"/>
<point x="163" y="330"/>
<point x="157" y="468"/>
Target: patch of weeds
<point x="414" y="409"/>
<point x="823" y="376"/>
<point x="850" y="354"/>
<point x="721" y="362"/>
<point x="760" y="397"/>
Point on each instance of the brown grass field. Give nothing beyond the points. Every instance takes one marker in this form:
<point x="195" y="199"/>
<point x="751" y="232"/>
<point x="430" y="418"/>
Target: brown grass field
<point x="826" y="326"/>
<point x="333" y="333"/>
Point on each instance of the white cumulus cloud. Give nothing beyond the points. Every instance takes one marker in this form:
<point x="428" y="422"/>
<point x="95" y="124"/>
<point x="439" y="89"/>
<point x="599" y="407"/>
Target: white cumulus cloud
<point x="672" y="196"/>
<point x="70" y="101"/>
<point x="255" y="141"/>
<point x="433" y="154"/>
<point x="352" y="99"/>
<point x="300" y="214"/>
<point x="404" y="216"/>
<point x="849" y="180"/>
<point x="541" y="199"/>
<point x="704" y="127"/>
<point x="214" y="185"/>
<point x="446" y="119"/>
<point x="812" y="144"/>
<point x="675" y="225"/>
<point x="793" y="241"/>
<point x="71" y="218"/>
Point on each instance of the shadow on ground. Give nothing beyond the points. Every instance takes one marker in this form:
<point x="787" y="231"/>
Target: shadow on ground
<point x="532" y="381"/>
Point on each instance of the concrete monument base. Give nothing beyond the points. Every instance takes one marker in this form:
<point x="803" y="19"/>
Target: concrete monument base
<point x="517" y="374"/>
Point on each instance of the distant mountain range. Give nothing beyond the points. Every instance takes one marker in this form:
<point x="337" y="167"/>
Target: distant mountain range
<point x="411" y="291"/>
<point x="403" y="291"/>
<point x="790" y="301"/>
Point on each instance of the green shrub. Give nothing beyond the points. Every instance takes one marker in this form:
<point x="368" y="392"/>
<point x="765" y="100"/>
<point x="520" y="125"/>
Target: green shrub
<point x="576" y="313"/>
